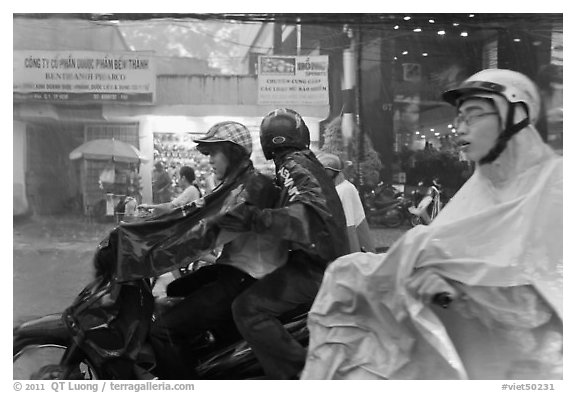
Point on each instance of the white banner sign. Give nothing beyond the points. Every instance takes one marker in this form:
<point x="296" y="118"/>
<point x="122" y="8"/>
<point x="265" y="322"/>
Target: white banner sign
<point x="84" y="76"/>
<point x="293" y="80"/>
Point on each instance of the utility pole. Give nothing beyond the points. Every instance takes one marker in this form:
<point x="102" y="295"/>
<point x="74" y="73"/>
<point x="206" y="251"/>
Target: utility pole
<point x="359" y="117"/>
<point x="298" y="36"/>
<point x="349" y="101"/>
<point x="277" y="37"/>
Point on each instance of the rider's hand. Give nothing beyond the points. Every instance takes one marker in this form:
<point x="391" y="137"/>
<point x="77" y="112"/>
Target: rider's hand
<point x="426" y="284"/>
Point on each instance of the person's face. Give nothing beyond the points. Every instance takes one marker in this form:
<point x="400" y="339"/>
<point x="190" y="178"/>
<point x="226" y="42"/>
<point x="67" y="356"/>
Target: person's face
<point x="219" y="163"/>
<point x="478" y="128"/>
<point x="183" y="182"/>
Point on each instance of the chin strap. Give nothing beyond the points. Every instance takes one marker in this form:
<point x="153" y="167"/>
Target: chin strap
<point x="510" y="130"/>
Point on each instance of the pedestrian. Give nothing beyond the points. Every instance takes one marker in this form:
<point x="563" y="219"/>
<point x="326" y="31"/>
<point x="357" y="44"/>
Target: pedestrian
<point x="309" y="216"/>
<point x="358" y="230"/>
<point x="495" y="249"/>
<point x="161" y="184"/>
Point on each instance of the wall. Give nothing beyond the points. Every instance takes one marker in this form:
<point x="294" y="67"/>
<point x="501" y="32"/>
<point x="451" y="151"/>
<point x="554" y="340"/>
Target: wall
<point x="20" y="204"/>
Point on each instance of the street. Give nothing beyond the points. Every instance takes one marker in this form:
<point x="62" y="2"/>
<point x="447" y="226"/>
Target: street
<point x="53" y="261"/>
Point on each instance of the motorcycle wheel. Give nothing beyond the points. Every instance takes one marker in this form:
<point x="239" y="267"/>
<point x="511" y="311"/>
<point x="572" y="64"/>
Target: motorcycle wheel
<point x="393" y="218"/>
<point x="39" y="359"/>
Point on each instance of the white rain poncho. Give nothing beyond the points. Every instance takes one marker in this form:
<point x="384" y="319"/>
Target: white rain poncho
<point x="499" y="241"/>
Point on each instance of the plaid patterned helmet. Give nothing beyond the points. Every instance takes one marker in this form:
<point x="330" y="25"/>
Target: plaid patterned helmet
<point x="228" y="131"/>
<point x="283" y="128"/>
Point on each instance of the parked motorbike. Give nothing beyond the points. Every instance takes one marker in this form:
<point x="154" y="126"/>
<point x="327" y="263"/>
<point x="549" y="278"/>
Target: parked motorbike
<point x="104" y="334"/>
<point x="392" y="215"/>
<point x="381" y="196"/>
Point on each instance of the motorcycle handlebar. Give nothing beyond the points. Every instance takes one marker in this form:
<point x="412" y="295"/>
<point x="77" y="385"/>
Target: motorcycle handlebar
<point x="442" y="299"/>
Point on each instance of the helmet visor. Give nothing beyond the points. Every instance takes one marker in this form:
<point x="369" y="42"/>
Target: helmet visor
<point x="469" y="88"/>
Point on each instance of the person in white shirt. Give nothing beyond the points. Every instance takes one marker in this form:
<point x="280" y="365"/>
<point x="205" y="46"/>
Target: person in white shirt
<point x="358" y="229"/>
<point x="190" y="194"/>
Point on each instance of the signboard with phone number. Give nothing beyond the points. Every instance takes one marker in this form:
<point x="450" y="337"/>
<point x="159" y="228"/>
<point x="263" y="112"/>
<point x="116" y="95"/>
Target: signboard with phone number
<point x="84" y="76"/>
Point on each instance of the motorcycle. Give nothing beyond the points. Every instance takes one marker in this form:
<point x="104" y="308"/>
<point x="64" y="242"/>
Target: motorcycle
<point x="392" y="215"/>
<point x="386" y="205"/>
<point x="104" y="334"/>
<point x="380" y="196"/>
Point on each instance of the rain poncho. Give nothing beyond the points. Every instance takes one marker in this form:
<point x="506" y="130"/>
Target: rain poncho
<point x="499" y="242"/>
<point x="158" y="245"/>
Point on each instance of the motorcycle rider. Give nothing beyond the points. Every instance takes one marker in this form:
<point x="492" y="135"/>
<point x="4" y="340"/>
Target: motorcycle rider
<point x="245" y="257"/>
<point x="358" y="229"/>
<point x="309" y="215"/>
<point x="430" y="205"/>
<point x="496" y="248"/>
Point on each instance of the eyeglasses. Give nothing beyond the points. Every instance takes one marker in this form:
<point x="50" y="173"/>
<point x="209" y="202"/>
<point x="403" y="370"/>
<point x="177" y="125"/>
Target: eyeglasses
<point x="470" y="119"/>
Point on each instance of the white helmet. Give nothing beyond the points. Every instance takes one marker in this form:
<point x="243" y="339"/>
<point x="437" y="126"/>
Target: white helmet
<point x="516" y="88"/>
<point x="513" y="86"/>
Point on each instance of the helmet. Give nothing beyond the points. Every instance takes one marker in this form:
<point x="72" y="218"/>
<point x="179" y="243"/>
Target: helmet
<point x="283" y="128"/>
<point x="508" y="90"/>
<point x="515" y="87"/>
<point x="228" y="131"/>
<point x="330" y="161"/>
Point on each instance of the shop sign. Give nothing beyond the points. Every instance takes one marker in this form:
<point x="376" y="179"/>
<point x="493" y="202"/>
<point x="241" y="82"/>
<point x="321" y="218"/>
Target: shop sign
<point x="84" y="76"/>
<point x="293" y="80"/>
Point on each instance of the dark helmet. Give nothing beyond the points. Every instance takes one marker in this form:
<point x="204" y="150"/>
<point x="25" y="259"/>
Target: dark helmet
<point x="283" y="128"/>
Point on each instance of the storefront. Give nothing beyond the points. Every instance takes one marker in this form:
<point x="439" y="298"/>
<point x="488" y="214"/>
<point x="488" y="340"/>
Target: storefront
<point x="64" y="98"/>
<point x="60" y="98"/>
<point x="410" y="59"/>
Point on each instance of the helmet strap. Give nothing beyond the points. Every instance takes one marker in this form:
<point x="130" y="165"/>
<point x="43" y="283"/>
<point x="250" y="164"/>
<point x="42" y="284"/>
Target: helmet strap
<point x="509" y="131"/>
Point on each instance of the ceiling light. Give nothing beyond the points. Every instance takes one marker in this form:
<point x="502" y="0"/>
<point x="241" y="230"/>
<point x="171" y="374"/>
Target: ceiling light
<point x="417" y="30"/>
<point x="441" y="32"/>
<point x="471" y="15"/>
<point x="417" y="132"/>
<point x="423" y="136"/>
<point x="431" y="21"/>
<point x="437" y="134"/>
<point x="424" y="54"/>
<point x="517" y="40"/>
<point x="395" y="58"/>
<point x="432" y="129"/>
<point x="396" y="27"/>
<point x="450" y="126"/>
<point x="464" y="34"/>
<point x="407" y="18"/>
<point x="455" y="24"/>
<point x="405" y="52"/>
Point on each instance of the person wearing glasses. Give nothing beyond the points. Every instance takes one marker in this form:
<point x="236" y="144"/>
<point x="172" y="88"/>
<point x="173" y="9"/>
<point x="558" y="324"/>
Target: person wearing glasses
<point x="477" y="294"/>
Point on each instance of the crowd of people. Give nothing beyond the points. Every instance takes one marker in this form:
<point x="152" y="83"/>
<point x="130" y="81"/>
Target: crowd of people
<point x="302" y="240"/>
